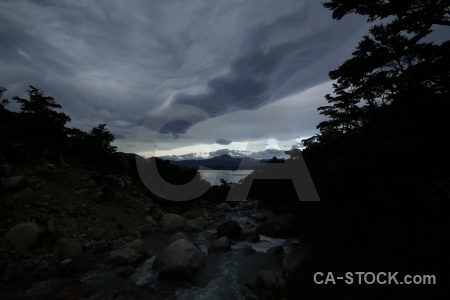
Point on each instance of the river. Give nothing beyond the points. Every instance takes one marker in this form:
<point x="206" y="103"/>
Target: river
<point x="223" y="277"/>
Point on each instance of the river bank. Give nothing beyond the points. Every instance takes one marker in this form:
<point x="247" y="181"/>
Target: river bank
<point x="103" y="278"/>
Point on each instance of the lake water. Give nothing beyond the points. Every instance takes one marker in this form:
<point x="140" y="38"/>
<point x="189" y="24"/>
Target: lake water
<point x="214" y="176"/>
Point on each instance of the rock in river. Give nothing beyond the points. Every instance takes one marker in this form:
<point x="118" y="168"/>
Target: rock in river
<point x="230" y="229"/>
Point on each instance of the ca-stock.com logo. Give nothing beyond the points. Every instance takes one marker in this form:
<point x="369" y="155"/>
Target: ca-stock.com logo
<point x="294" y="168"/>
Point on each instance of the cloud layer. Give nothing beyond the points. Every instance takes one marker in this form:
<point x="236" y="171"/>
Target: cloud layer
<point x="133" y="65"/>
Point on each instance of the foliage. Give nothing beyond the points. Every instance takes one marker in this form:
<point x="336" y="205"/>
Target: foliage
<point x="43" y="108"/>
<point x="39" y="124"/>
<point x="102" y="138"/>
<point x="392" y="66"/>
<point x="94" y="148"/>
<point x="275" y="160"/>
<point x="175" y="174"/>
<point x="379" y="162"/>
<point x="3" y="102"/>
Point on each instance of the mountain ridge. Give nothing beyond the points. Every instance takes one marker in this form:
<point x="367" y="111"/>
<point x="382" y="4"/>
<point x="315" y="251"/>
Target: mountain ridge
<point x="221" y="162"/>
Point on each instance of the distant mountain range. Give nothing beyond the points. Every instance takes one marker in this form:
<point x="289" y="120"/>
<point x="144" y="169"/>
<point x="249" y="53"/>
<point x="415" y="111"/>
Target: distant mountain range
<point x="221" y="162"/>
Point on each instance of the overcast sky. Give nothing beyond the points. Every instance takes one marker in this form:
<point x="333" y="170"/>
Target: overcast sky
<point x="192" y="78"/>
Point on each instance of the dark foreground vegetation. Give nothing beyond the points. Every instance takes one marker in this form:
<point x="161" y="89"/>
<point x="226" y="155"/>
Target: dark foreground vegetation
<point x="380" y="162"/>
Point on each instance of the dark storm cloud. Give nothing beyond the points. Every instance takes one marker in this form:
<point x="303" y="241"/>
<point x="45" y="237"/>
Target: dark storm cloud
<point x="264" y="72"/>
<point x="176" y="128"/>
<point x="223" y="141"/>
<point x="125" y="63"/>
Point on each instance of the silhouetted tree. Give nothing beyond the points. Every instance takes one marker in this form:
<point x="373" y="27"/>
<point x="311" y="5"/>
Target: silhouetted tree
<point x="275" y="160"/>
<point x="3" y="102"/>
<point x="43" y="108"/>
<point x="39" y="120"/>
<point x="393" y="65"/>
<point x="103" y="138"/>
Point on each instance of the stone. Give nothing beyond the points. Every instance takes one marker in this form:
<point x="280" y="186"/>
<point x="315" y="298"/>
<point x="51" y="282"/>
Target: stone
<point x="192" y="214"/>
<point x="65" y="262"/>
<point x="224" y="207"/>
<point x="24" y="236"/>
<point x="179" y="236"/>
<point x="175" y="272"/>
<point x="294" y="259"/>
<point x="256" y="203"/>
<point x="137" y="245"/>
<point x="221" y="244"/>
<point x="271" y="280"/>
<point x="67" y="247"/>
<point x="264" y="216"/>
<point x="172" y="221"/>
<point x="48" y="168"/>
<point x="230" y="229"/>
<point x="69" y="222"/>
<point x="124" y="256"/>
<point x="18" y="295"/>
<point x="193" y="225"/>
<point x="149" y="219"/>
<point x="15" y="183"/>
<point x="276" y="251"/>
<point x="277" y="226"/>
<point x="249" y="236"/>
<point x="76" y="290"/>
<point x="5" y="170"/>
<point x="95" y="233"/>
<point x="43" y="265"/>
<point x="50" y="226"/>
<point x="179" y="252"/>
<point x="126" y="271"/>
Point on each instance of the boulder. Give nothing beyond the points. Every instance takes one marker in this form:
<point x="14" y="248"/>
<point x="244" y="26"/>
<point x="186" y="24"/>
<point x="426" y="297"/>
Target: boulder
<point x="264" y="216"/>
<point x="230" y="229"/>
<point x="15" y="183"/>
<point x="179" y="252"/>
<point x="294" y="259"/>
<point x="23" y="195"/>
<point x="221" y="244"/>
<point x="137" y="245"/>
<point x="24" y="236"/>
<point x="256" y="203"/>
<point x="195" y="224"/>
<point x="252" y="204"/>
<point x="50" y="226"/>
<point x="271" y="280"/>
<point x="277" y="226"/>
<point x="48" y="168"/>
<point x="65" y="262"/>
<point x="69" y="222"/>
<point x="224" y="207"/>
<point x="126" y="271"/>
<point x="249" y="236"/>
<point x="124" y="256"/>
<point x="76" y="290"/>
<point x="172" y="221"/>
<point x="67" y="247"/>
<point x="179" y="236"/>
<point x="192" y="214"/>
<point x="95" y="233"/>
<point x="175" y="272"/>
<point x="276" y="251"/>
<point x="5" y="170"/>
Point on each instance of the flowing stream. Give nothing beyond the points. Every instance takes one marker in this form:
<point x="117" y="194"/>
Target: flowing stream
<point x="223" y="277"/>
